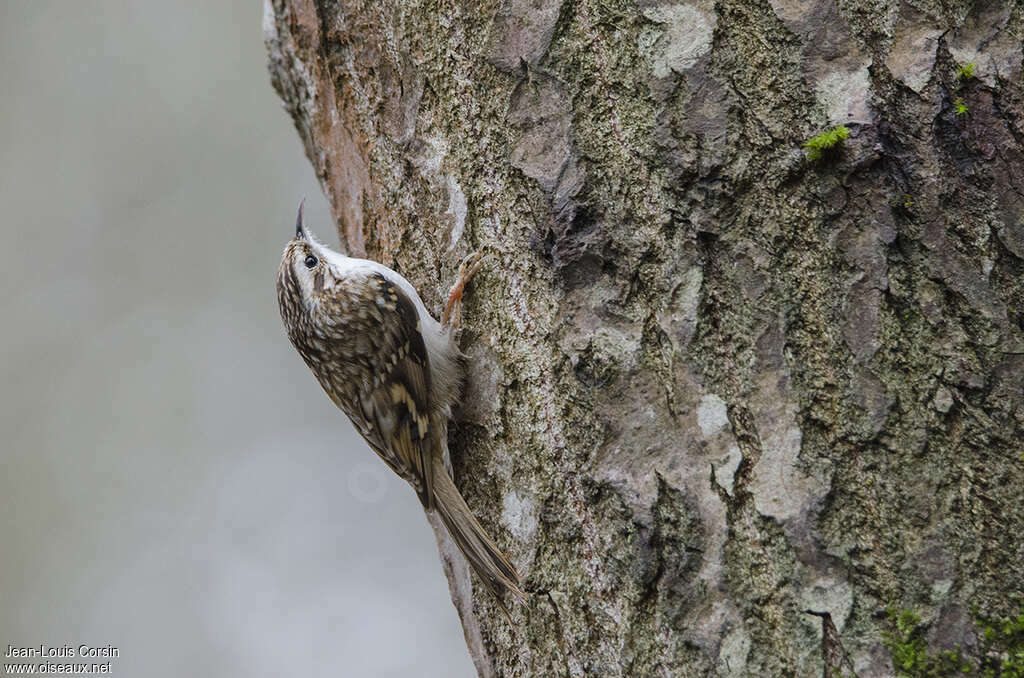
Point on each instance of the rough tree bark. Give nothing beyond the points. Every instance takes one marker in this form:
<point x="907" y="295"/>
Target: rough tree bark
<point x="715" y="387"/>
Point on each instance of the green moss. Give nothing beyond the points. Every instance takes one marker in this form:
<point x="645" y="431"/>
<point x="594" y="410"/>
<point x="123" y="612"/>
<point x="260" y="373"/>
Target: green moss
<point x="965" y="71"/>
<point x="960" y="107"/>
<point x="1003" y="642"/>
<point x="909" y="651"/>
<point x="1000" y="653"/>
<point x="904" y="204"/>
<point x="818" y="145"/>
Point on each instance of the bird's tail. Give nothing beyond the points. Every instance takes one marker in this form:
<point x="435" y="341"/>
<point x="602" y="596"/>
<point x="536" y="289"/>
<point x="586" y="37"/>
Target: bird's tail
<point x="483" y="554"/>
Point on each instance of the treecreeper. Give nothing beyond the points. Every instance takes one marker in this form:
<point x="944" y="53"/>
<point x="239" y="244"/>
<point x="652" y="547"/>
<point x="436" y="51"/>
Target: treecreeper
<point x="394" y="370"/>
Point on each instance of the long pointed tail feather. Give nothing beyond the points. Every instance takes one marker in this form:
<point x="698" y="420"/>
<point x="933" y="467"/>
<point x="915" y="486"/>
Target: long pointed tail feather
<point x="484" y="556"/>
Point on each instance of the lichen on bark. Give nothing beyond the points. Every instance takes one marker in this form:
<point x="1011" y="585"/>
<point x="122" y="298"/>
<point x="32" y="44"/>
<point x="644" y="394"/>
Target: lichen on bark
<point x="712" y="386"/>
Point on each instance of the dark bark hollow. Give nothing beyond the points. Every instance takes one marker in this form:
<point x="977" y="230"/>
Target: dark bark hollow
<point x="713" y="385"/>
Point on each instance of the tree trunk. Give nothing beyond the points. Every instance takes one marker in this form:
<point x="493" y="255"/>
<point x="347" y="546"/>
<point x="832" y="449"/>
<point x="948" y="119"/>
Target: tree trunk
<point x="726" y="404"/>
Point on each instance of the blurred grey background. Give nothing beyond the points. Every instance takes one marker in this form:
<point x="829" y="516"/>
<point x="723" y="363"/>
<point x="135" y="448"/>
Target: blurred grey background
<point x="172" y="480"/>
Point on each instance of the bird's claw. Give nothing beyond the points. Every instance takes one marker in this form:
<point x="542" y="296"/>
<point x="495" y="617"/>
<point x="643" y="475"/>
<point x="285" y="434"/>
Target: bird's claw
<point x="467" y="269"/>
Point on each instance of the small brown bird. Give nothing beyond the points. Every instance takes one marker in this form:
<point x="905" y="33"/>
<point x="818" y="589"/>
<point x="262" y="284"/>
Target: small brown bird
<point x="393" y="369"/>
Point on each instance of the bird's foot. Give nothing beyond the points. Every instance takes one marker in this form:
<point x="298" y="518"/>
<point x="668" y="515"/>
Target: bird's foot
<point x="452" y="316"/>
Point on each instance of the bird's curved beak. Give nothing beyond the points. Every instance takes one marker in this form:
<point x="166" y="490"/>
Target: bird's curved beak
<point x="300" y="228"/>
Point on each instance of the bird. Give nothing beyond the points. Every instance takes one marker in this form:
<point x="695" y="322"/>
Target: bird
<point x="395" y="370"/>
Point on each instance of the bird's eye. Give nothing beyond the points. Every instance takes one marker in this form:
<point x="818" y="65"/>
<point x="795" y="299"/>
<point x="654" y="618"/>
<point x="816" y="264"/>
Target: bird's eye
<point x="311" y="261"/>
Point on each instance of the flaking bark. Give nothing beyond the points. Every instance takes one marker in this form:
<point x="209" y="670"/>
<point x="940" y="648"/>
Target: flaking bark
<point x="713" y="386"/>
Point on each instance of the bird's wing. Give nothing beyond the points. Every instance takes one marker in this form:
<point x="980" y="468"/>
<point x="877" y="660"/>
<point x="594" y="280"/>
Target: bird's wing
<point x="397" y="406"/>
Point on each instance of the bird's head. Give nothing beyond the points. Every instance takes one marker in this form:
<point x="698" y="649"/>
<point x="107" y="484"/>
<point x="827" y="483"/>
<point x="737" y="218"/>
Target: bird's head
<point x="308" y="269"/>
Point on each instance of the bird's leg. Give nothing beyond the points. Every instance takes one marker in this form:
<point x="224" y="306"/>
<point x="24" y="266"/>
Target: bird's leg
<point x="453" y="308"/>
